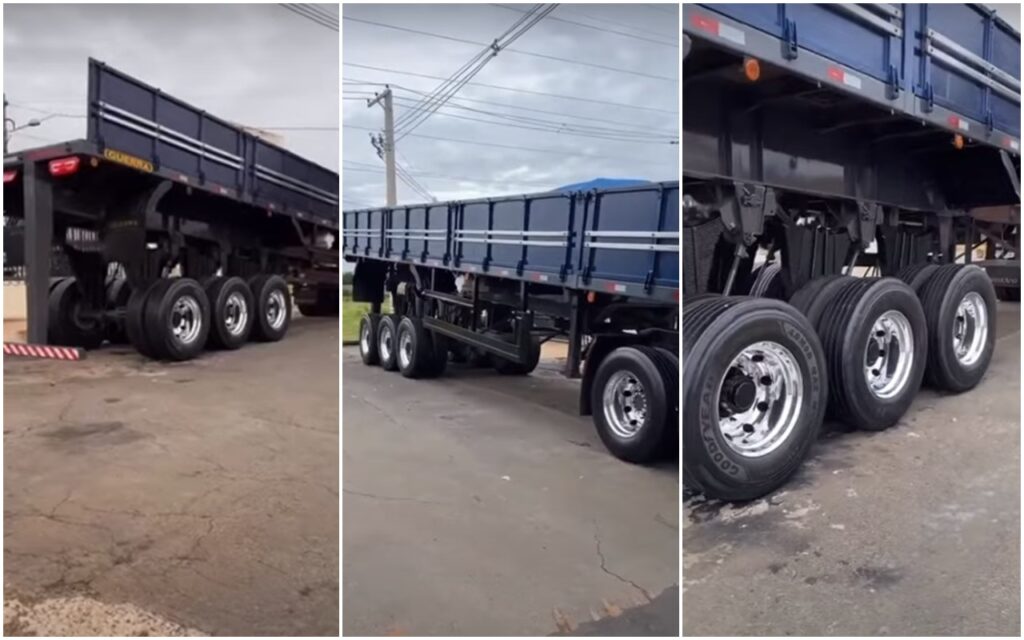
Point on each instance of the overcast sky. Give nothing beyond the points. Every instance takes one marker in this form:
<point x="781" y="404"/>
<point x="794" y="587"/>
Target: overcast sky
<point x="258" y="65"/>
<point x="450" y="169"/>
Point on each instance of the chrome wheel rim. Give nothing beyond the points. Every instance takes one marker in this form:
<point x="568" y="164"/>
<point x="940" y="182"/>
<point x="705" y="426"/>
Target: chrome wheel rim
<point x="236" y="314"/>
<point x="364" y="337"/>
<point x="889" y="355"/>
<point x="186" y="320"/>
<point x="385" y="342"/>
<point x="970" y="329"/>
<point x="760" y="398"/>
<point x="405" y="349"/>
<point x="625" y="404"/>
<point x="276" y="309"/>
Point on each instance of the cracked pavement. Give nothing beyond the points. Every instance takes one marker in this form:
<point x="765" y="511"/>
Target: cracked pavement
<point x="202" y="493"/>
<point x="479" y="504"/>
<point x="912" y="531"/>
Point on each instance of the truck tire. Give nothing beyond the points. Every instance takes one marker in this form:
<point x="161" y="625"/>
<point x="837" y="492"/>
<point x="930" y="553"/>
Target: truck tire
<point x="631" y="403"/>
<point x="508" y="368"/>
<point x="916" y="275"/>
<point x="960" y="306"/>
<point x="387" y="341"/>
<point x="177" y="319"/>
<point x="118" y="294"/>
<point x="415" y="349"/>
<point x="738" y="442"/>
<point x="231" y="312"/>
<point x="768" y="283"/>
<point x="815" y="296"/>
<point x="876" y="343"/>
<point x="668" y="364"/>
<point x="273" y="304"/>
<point x="67" y="325"/>
<point x="135" y="318"/>
<point x="439" y="357"/>
<point x="369" y="326"/>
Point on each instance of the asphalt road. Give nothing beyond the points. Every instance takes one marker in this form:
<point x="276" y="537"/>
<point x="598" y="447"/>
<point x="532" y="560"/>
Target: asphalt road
<point x="201" y="497"/>
<point x="911" y="531"/>
<point x="477" y="504"/>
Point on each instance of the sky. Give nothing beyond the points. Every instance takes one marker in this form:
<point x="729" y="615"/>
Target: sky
<point x="258" y="65"/>
<point x="455" y="158"/>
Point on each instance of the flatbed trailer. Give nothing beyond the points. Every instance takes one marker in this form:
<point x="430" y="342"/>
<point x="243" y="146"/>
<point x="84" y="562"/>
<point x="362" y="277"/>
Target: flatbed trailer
<point x="181" y="230"/>
<point x="488" y="280"/>
<point x="823" y="144"/>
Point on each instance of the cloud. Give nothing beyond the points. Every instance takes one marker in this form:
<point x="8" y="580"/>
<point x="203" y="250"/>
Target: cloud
<point x="454" y="155"/>
<point x="258" y="65"/>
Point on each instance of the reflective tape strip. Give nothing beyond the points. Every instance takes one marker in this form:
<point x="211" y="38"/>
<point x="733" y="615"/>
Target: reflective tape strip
<point x="43" y="351"/>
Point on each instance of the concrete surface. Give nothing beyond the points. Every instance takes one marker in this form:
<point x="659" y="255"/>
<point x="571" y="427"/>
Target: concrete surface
<point x="478" y="504"/>
<point x="200" y="497"/>
<point x="913" y="531"/>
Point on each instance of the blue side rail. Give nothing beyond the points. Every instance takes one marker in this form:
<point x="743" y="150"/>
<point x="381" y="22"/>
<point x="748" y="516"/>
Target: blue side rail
<point x="135" y="123"/>
<point x="956" y="66"/>
<point x="623" y="241"/>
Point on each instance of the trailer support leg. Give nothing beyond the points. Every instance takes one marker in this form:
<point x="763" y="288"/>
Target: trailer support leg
<point x="38" y="243"/>
<point x="575" y="355"/>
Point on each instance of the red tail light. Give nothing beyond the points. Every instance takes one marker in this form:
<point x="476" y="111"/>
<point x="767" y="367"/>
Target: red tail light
<point x="64" y="166"/>
<point x="9" y="176"/>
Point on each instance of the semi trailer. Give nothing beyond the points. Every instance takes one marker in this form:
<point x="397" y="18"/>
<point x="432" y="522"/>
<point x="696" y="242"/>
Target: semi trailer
<point x="488" y="281"/>
<point x="180" y="230"/>
<point x="842" y="164"/>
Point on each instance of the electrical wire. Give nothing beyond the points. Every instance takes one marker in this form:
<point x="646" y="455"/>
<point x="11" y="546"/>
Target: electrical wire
<point x="560" y="126"/>
<point x="517" y="51"/>
<point x="516" y="89"/>
<point x="431" y="103"/>
<point x="666" y="43"/>
<point x="305" y="12"/>
<point x="562" y="114"/>
<point x="484" y="143"/>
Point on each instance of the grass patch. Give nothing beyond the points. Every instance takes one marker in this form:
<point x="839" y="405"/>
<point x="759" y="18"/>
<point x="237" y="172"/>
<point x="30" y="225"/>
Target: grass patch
<point x="351" y="313"/>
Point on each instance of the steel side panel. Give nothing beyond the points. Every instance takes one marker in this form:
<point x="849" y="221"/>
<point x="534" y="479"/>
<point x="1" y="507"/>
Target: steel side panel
<point x="128" y="116"/>
<point x="745" y="34"/>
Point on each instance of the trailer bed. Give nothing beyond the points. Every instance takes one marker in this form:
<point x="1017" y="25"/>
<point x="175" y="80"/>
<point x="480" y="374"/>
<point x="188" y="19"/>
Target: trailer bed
<point x="954" y="66"/>
<point x="139" y="126"/>
<point x="623" y="241"/>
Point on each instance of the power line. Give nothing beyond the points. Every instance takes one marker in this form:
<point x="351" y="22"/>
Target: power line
<point x="515" y="89"/>
<point x="561" y="126"/>
<point x="674" y="45"/>
<point x="511" y="106"/>
<point x="619" y="137"/>
<point x="314" y="16"/>
<point x="454" y="83"/>
<point x="458" y="178"/>
<point x="574" y="8"/>
<point x="482" y="143"/>
<point x="518" y="51"/>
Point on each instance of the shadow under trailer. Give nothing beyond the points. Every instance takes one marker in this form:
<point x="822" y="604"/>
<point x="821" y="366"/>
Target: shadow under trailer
<point x="180" y="230"/>
<point x="842" y="165"/>
<point x="486" y="282"/>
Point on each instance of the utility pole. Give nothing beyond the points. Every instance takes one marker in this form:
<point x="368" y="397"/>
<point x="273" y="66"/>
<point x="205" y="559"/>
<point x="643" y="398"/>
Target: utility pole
<point x="386" y="144"/>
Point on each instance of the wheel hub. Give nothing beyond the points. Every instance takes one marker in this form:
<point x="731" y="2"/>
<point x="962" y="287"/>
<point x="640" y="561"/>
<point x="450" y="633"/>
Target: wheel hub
<point x="236" y="313"/>
<point x="385" y="345"/>
<point x="276" y="309"/>
<point x="405" y="350"/>
<point x="625" y="404"/>
<point x="760" y="397"/>
<point x="889" y="354"/>
<point x="186" y="319"/>
<point x="364" y="338"/>
<point x="970" y="329"/>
